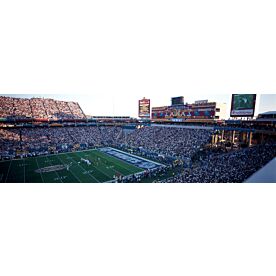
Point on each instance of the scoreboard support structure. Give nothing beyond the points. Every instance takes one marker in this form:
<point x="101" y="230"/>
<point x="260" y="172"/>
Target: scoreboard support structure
<point x="229" y="135"/>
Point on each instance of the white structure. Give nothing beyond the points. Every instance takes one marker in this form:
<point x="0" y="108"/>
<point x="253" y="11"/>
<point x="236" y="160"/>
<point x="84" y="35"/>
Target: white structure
<point x="221" y="111"/>
<point x="267" y="174"/>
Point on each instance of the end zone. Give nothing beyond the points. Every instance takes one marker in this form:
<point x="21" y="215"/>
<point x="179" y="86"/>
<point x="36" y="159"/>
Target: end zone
<point x="137" y="161"/>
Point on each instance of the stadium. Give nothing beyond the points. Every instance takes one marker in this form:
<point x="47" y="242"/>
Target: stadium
<point x="43" y="140"/>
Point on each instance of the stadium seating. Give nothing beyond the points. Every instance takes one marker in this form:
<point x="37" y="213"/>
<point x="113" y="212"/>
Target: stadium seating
<point x="177" y="142"/>
<point x="6" y="109"/>
<point x="22" y="108"/>
<point x="9" y="141"/>
<point x="39" y="108"/>
<point x="233" y="167"/>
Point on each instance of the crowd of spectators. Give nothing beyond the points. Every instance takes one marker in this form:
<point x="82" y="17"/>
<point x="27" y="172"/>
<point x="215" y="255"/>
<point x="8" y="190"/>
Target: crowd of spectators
<point x="85" y="135"/>
<point x="10" y="142"/>
<point x="40" y="140"/>
<point x="136" y="178"/>
<point x="6" y="104"/>
<point x="178" y="143"/>
<point x="39" y="108"/>
<point x="51" y="108"/>
<point x="235" y="166"/>
<point x="76" y="110"/>
<point x="21" y="108"/>
<point x="64" y="110"/>
<point x="111" y="135"/>
<point x="34" y="139"/>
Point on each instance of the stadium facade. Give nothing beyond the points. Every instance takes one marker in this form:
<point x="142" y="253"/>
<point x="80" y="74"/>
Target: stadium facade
<point x="200" y="111"/>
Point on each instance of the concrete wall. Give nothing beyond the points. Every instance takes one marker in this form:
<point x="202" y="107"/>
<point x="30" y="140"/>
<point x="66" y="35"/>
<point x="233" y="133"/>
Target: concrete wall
<point x="183" y="126"/>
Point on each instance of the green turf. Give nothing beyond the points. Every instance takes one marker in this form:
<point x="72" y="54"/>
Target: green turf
<point x="103" y="168"/>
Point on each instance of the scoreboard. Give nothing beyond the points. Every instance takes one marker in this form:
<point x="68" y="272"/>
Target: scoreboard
<point x="178" y="100"/>
<point x="243" y="105"/>
<point x="144" y="108"/>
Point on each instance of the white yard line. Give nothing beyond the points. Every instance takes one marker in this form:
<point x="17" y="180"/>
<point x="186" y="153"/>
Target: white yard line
<point x="55" y="171"/>
<point x="70" y="171"/>
<point x="102" y="171"/>
<point x="39" y="172"/>
<point x="84" y="169"/>
<point x="24" y="171"/>
<point x="8" y="172"/>
<point x="131" y="173"/>
<point x="105" y="173"/>
<point x="124" y="168"/>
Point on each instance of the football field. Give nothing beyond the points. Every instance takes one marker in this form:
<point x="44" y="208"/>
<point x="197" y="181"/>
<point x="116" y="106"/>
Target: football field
<point x="66" y="168"/>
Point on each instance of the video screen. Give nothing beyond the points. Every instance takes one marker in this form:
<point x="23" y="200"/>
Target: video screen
<point x="243" y="105"/>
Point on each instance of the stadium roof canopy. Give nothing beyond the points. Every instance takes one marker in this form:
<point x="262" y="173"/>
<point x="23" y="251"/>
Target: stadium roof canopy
<point x="267" y="174"/>
<point x="268" y="113"/>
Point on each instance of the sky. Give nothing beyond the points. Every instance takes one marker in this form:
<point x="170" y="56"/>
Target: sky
<point x="109" y="54"/>
<point x="99" y="105"/>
